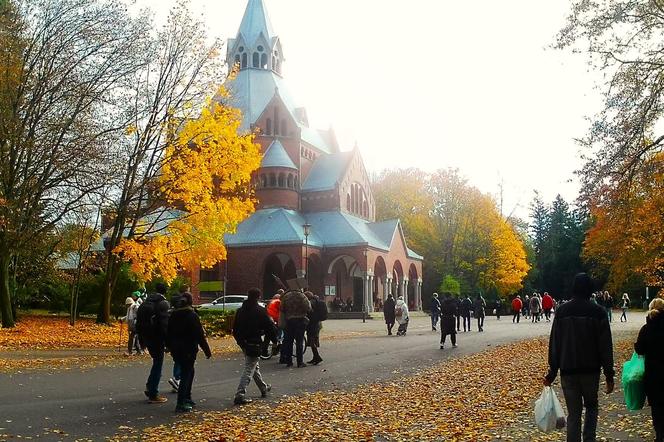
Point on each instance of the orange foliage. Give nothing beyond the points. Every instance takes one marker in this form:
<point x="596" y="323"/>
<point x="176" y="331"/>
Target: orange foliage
<point x="55" y="333"/>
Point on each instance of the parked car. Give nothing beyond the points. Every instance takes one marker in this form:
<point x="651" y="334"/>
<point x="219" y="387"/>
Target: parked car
<point x="227" y="302"/>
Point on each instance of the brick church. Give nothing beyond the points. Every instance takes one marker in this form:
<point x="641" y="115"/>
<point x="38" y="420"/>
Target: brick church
<point x="316" y="215"/>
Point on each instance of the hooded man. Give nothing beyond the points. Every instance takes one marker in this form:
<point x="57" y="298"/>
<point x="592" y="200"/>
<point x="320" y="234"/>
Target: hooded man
<point x="152" y="329"/>
<point x="447" y="321"/>
<point x="295" y="308"/>
<point x="388" y="313"/>
<point x="435" y="311"/>
<point x="580" y="346"/>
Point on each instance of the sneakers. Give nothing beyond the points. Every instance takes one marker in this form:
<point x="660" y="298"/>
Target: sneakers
<point x="184" y="408"/>
<point x="268" y="389"/>
<point x="241" y="400"/>
<point x="315" y="361"/>
<point x="454" y="346"/>
<point x="442" y="347"/>
<point x="157" y="399"/>
<point x="175" y="384"/>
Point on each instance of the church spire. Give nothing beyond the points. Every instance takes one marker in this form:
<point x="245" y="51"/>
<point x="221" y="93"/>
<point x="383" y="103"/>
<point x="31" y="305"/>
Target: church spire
<point x="256" y="45"/>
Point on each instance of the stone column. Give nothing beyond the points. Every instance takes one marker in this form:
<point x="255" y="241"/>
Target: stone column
<point x="371" y="293"/>
<point x="418" y="290"/>
<point x="385" y="288"/>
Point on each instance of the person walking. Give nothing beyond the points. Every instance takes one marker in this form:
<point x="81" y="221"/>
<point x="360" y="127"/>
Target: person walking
<point x="535" y="307"/>
<point x="457" y="303"/>
<point x="251" y="323"/>
<point x="273" y="311"/>
<point x="466" y="308"/>
<point x="317" y="315"/>
<point x="295" y="308"/>
<point x="132" y="309"/>
<point x="526" y="307"/>
<point x="389" y="314"/>
<point x="448" y="311"/>
<point x="547" y="305"/>
<point x="402" y="317"/>
<point x="185" y="335"/>
<point x="624" y="307"/>
<point x="649" y="345"/>
<point x="178" y="300"/>
<point x="608" y="305"/>
<point x="517" y="305"/>
<point x="498" y="306"/>
<point x="152" y="328"/>
<point x="580" y="345"/>
<point x="435" y="311"/>
<point x="479" y="308"/>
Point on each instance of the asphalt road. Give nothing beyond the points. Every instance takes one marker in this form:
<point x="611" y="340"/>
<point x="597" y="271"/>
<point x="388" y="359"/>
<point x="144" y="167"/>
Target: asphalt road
<point x="92" y="404"/>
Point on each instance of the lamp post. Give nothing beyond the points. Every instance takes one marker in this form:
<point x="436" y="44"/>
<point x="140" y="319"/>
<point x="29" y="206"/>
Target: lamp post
<point x="307" y="232"/>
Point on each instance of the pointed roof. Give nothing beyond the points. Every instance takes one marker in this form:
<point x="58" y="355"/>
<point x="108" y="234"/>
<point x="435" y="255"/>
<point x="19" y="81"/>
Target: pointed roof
<point x="255" y="22"/>
<point x="327" y="171"/>
<point x="276" y="156"/>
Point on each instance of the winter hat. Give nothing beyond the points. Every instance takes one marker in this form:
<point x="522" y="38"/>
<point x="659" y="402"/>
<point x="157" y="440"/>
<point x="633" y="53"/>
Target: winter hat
<point x="656" y="307"/>
<point x="137" y="293"/>
<point x="277" y="296"/>
<point x="129" y="301"/>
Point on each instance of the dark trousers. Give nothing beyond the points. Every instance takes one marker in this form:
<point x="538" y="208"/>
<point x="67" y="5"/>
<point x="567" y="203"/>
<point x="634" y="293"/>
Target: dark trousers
<point x="186" y="364"/>
<point x="498" y="314"/>
<point x="580" y="392"/>
<point x="295" y="329"/>
<point x="547" y="314"/>
<point x="458" y="322"/>
<point x="132" y="343"/>
<point x="157" y="354"/>
<point x="443" y="337"/>
<point x="390" y="325"/>
<point x="434" y="319"/>
<point x="517" y="317"/>
<point x="466" y="321"/>
<point x="658" y="422"/>
<point x="480" y="323"/>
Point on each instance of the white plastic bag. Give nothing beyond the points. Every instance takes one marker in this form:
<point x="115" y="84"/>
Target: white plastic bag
<point x="549" y="414"/>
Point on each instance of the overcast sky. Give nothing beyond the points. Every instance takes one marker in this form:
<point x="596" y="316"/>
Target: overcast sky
<point x="436" y="84"/>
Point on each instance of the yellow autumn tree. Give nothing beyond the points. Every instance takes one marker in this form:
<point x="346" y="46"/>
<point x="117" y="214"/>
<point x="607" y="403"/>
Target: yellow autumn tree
<point x="205" y="179"/>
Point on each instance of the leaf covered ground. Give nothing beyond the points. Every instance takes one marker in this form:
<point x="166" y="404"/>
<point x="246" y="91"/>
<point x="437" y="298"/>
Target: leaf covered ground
<point x="481" y="397"/>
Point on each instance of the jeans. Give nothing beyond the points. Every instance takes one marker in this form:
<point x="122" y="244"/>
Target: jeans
<point x="480" y="323"/>
<point x="295" y="328"/>
<point x="434" y="319"/>
<point x="609" y="313"/>
<point x="132" y="343"/>
<point x="581" y="391"/>
<point x="466" y="321"/>
<point x="624" y="315"/>
<point x="157" y="354"/>
<point x="517" y="317"/>
<point x="458" y="322"/>
<point x="547" y="314"/>
<point x="443" y="337"/>
<point x="251" y="370"/>
<point x="185" y="365"/>
<point x="177" y="369"/>
<point x="658" y="422"/>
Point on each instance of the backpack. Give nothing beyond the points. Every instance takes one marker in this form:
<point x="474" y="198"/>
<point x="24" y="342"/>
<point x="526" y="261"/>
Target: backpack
<point x="146" y="319"/>
<point x="398" y="311"/>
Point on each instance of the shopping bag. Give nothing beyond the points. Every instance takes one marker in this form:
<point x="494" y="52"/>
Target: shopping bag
<point x="633" y="384"/>
<point x="549" y="414"/>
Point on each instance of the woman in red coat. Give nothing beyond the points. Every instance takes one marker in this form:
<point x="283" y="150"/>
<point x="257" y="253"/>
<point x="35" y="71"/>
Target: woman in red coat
<point x="547" y="305"/>
<point x="517" y="306"/>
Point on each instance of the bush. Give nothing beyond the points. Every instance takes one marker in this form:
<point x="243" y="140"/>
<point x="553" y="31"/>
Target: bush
<point x="217" y="323"/>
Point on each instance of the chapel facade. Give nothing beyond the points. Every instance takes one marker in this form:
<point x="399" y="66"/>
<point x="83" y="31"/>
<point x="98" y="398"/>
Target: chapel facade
<point x="316" y="214"/>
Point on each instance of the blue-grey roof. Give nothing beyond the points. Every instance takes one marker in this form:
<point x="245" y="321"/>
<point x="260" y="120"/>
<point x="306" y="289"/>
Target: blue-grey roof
<point x="255" y="22"/>
<point x="328" y="229"/>
<point x="327" y="171"/>
<point x="276" y="156"/>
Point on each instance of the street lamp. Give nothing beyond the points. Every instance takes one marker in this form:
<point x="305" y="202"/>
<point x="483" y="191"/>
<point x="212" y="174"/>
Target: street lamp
<point x="307" y="231"/>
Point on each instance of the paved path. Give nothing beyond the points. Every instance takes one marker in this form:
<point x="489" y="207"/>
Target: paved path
<point x="94" y="403"/>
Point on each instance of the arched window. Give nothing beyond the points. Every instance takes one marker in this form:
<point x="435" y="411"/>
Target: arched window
<point x="278" y="67"/>
<point x="284" y="127"/>
<point x="296" y="184"/>
<point x="244" y="60"/>
<point x="366" y="210"/>
<point x="273" y="180"/>
<point x="274" y="62"/>
<point x="263" y="180"/>
<point x="276" y="121"/>
<point x="256" y="60"/>
<point x="291" y="185"/>
<point x="263" y="61"/>
<point x="348" y="202"/>
<point x="237" y="59"/>
<point x="268" y="127"/>
<point x="282" y="180"/>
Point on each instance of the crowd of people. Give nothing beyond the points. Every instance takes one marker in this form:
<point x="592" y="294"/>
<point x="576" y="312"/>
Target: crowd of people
<point x="157" y="326"/>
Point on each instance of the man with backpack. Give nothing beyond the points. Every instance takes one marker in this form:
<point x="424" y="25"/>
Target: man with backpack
<point x="152" y="329"/>
<point x="317" y="315"/>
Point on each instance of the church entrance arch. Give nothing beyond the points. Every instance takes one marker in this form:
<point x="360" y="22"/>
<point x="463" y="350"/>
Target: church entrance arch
<point x="346" y="273"/>
<point x="412" y="287"/>
<point x="379" y="290"/>
<point x="315" y="275"/>
<point x="397" y="279"/>
<point x="280" y="265"/>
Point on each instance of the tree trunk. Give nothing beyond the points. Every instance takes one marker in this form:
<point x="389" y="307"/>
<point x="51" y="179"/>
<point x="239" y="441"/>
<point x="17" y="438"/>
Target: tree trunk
<point x="5" y="294"/>
<point x="111" y="277"/>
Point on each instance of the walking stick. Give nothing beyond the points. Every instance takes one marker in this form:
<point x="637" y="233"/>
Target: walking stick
<point x="120" y="339"/>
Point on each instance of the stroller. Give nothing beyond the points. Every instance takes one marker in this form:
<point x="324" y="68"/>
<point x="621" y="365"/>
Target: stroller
<point x="401" y="331"/>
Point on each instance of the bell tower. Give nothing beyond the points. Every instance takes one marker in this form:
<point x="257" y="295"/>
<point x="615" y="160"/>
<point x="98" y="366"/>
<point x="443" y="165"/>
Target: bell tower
<point x="256" y="46"/>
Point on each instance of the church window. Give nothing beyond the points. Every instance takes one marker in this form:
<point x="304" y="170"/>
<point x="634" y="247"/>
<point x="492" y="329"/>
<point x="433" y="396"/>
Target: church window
<point x="244" y="60"/>
<point x="296" y="184"/>
<point x="276" y="121"/>
<point x="273" y="180"/>
<point x="268" y="127"/>
<point x="241" y="49"/>
<point x="291" y="185"/>
<point x="264" y="61"/>
<point x="237" y="59"/>
<point x="263" y="180"/>
<point x="282" y="180"/>
<point x="278" y="67"/>
<point x="260" y="48"/>
<point x="256" y="60"/>
<point x="348" y="202"/>
<point x="284" y="128"/>
<point x="366" y="210"/>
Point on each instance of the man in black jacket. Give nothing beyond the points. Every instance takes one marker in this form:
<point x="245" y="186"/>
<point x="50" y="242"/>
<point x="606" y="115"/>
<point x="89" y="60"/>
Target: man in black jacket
<point x="185" y="335"/>
<point x="251" y="323"/>
<point x="152" y="328"/>
<point x="317" y="315"/>
<point x="579" y="346"/>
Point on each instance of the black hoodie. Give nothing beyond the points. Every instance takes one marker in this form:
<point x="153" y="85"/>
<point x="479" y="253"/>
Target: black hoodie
<point x="152" y="320"/>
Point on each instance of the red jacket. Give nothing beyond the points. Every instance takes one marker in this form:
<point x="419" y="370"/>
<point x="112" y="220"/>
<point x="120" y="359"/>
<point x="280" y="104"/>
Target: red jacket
<point x="517" y="305"/>
<point x="547" y="302"/>
<point x="273" y="310"/>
